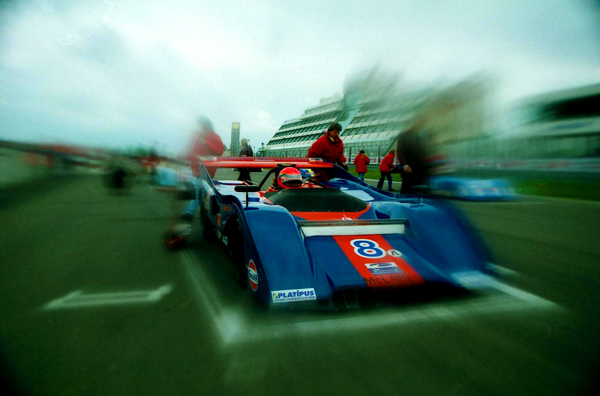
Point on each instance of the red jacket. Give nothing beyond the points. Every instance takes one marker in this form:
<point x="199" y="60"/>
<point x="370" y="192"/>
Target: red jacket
<point x="361" y="161"/>
<point x="387" y="163"/>
<point x="204" y="144"/>
<point x="324" y="148"/>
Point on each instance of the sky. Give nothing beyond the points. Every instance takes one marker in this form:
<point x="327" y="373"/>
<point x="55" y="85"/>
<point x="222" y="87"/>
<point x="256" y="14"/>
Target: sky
<point x="124" y="73"/>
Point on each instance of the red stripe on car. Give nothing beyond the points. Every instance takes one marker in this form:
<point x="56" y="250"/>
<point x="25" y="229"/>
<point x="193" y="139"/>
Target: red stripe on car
<point x="380" y="265"/>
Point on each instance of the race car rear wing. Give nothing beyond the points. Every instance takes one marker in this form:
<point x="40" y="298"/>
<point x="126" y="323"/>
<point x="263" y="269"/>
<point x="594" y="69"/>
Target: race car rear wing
<point x="263" y="162"/>
<point x="352" y="227"/>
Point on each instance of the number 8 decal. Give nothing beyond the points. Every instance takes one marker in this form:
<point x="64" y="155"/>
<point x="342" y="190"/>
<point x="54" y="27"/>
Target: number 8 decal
<point x="367" y="248"/>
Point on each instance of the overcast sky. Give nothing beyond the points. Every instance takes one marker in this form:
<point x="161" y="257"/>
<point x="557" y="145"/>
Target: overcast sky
<point x="127" y="72"/>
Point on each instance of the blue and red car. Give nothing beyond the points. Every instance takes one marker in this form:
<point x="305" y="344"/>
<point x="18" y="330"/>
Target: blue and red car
<point x="471" y="189"/>
<point x="329" y="240"/>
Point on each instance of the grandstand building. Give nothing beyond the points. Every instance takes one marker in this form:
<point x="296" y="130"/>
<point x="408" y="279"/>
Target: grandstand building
<point x="376" y="111"/>
<point x="373" y="110"/>
<point x="294" y="137"/>
<point x="459" y="124"/>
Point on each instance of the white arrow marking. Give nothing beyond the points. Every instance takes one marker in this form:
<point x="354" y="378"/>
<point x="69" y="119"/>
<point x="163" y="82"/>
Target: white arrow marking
<point x="77" y="299"/>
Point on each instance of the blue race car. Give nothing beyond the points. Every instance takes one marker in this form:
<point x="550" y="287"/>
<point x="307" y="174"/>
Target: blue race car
<point x="322" y="241"/>
<point x="471" y="189"/>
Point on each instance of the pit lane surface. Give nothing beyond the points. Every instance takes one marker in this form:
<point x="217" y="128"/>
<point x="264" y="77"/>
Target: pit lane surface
<point x="92" y="304"/>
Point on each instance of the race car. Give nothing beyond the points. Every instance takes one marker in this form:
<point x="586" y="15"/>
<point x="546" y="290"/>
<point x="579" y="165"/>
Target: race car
<point x="327" y="237"/>
<point x="471" y="189"/>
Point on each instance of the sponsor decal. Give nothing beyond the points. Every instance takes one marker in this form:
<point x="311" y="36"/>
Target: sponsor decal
<point x="207" y="200"/>
<point x="394" y="253"/>
<point x="282" y="296"/>
<point x="383" y="268"/>
<point x="392" y="280"/>
<point x="252" y="275"/>
<point x="219" y="220"/>
<point x="226" y="208"/>
<point x="377" y="262"/>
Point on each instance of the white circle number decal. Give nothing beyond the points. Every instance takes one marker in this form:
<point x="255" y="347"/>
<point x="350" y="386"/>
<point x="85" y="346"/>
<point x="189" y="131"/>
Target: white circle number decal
<point x="367" y="248"/>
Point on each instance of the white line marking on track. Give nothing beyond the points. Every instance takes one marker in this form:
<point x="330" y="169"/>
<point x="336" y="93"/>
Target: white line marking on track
<point x="446" y="311"/>
<point x="229" y="322"/>
<point x="502" y="270"/>
<point x="234" y="328"/>
<point x="77" y="299"/>
<point x="520" y="294"/>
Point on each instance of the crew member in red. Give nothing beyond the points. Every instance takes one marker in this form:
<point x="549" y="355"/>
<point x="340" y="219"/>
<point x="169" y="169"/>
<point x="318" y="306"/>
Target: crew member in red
<point x="329" y="147"/>
<point x="205" y="143"/>
<point x="360" y="162"/>
<point x="386" y="166"/>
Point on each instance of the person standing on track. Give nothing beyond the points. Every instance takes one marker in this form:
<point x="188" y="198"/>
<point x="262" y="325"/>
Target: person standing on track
<point x="412" y="157"/>
<point x="360" y="162"/>
<point x="245" y="151"/>
<point x="205" y="143"/>
<point x="329" y="147"/>
<point x="386" y="166"/>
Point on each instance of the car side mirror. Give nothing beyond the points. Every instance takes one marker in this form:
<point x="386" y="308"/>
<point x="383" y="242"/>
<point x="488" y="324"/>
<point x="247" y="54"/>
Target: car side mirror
<point x="421" y="188"/>
<point x="247" y="189"/>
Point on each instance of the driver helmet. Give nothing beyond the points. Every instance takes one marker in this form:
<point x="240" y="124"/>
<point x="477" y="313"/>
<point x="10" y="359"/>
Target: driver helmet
<point x="289" y="178"/>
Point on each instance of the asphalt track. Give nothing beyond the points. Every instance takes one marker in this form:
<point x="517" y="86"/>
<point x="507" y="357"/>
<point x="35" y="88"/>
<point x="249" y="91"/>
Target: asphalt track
<point x="92" y="304"/>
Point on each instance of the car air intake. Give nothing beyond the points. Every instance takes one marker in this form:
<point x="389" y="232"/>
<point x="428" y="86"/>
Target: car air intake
<point x="352" y="227"/>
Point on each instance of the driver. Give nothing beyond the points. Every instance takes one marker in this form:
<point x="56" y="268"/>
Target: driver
<point x="288" y="178"/>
